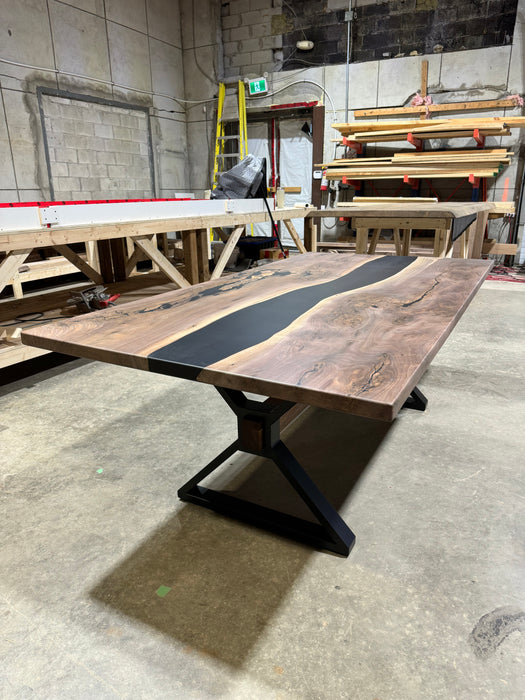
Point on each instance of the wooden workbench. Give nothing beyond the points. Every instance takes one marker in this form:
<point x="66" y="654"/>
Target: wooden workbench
<point x="18" y="244"/>
<point x="450" y="221"/>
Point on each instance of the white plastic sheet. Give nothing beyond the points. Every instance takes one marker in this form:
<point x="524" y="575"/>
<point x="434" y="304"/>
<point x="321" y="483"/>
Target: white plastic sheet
<point x="295" y="168"/>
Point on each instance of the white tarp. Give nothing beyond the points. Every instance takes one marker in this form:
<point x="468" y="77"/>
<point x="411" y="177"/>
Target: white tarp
<point x="295" y="168"/>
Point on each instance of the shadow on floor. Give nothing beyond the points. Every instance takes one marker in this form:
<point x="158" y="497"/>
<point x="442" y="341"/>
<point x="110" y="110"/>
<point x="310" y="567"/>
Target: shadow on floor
<point x="51" y="364"/>
<point x="227" y="579"/>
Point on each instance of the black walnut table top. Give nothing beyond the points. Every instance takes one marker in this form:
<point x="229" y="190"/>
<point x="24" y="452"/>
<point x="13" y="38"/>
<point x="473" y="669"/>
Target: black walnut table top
<point x="352" y="333"/>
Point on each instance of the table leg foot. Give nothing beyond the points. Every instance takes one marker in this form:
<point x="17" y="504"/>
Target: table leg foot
<point x="417" y="400"/>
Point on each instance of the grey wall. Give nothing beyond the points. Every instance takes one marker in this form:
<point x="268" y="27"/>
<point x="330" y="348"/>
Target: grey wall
<point x="128" y="51"/>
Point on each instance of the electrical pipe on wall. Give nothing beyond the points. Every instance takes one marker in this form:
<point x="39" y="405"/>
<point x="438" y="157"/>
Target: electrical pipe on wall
<point x="349" y="16"/>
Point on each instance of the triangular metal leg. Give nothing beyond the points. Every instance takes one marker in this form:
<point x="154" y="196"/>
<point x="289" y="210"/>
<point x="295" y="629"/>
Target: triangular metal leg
<point x="417" y="400"/>
<point x="330" y="532"/>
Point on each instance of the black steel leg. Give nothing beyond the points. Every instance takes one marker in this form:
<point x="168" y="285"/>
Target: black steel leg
<point x="258" y="424"/>
<point x="417" y="400"/>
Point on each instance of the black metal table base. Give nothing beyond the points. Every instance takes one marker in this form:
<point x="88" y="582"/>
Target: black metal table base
<point x="259" y="434"/>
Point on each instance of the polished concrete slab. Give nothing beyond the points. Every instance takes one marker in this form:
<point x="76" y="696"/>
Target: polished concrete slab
<point x="112" y="588"/>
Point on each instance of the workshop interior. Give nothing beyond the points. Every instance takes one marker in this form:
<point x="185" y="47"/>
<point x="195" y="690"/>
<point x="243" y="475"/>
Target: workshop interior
<point x="303" y="222"/>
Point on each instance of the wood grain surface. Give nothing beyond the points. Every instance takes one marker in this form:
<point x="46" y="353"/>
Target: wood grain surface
<point x="347" y="332"/>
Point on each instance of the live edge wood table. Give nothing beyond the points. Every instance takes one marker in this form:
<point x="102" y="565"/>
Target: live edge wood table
<point x="348" y="333"/>
<point x="463" y="222"/>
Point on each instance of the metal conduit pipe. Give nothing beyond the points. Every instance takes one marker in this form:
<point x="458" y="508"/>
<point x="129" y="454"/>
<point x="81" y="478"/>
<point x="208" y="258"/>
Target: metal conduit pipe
<point x="348" y="17"/>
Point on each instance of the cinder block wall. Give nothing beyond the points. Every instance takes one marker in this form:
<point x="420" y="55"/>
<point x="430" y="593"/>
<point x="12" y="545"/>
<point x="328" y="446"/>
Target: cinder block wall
<point x="131" y="59"/>
<point x="252" y="36"/>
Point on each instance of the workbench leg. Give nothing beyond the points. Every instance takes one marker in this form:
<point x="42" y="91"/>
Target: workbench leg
<point x="10" y="264"/>
<point x="104" y="257"/>
<point x="92" y="255"/>
<point x="18" y="292"/>
<point x="459" y="246"/>
<point x="439" y="241"/>
<point x="191" y="262"/>
<point x="258" y="424"/>
<point x="407" y="237"/>
<point x="374" y="241"/>
<point x="203" y="237"/>
<point x="397" y="241"/>
<point x="476" y="235"/>
<point x="310" y="234"/>
<point x="361" y="240"/>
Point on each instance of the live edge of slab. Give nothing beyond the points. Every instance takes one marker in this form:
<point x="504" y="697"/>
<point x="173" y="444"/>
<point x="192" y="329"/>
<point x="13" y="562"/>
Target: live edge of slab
<point x="352" y="333"/>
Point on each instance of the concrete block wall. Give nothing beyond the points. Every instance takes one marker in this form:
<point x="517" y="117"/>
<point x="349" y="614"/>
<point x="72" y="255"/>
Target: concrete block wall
<point x="252" y="37"/>
<point x="392" y="27"/>
<point x="126" y="51"/>
<point x="203" y="67"/>
<point x="96" y="150"/>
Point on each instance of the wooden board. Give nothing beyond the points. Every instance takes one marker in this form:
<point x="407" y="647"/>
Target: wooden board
<point x="433" y="108"/>
<point x="318" y="329"/>
<point x="35" y="238"/>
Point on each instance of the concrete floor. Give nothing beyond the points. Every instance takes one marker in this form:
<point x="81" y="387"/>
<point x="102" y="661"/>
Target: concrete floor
<point x="429" y="604"/>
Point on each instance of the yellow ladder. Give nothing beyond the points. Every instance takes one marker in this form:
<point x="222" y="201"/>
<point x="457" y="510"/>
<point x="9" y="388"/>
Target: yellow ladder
<point x="224" y="157"/>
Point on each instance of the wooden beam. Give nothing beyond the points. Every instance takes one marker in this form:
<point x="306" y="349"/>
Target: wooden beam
<point x="476" y="234"/>
<point x="288" y="190"/>
<point x="92" y="255"/>
<point x="373" y="242"/>
<point x="424" y="78"/>
<point x="492" y="247"/>
<point x="203" y="264"/>
<point x="295" y="236"/>
<point x="118" y="258"/>
<point x="191" y="263"/>
<point x="449" y="107"/>
<point x="9" y="265"/>
<point x="227" y="251"/>
<point x="79" y="262"/>
<point x="104" y="257"/>
<point x="393" y="221"/>
<point x="136" y="255"/>
<point x="310" y="234"/>
<point x="151" y="250"/>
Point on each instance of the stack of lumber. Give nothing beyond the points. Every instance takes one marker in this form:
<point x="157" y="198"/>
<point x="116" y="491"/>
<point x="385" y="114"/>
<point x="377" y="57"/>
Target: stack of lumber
<point x="398" y="130"/>
<point x="417" y="164"/>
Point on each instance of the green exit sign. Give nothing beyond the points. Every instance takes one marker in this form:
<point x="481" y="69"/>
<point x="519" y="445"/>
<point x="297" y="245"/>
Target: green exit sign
<point x="257" y="87"/>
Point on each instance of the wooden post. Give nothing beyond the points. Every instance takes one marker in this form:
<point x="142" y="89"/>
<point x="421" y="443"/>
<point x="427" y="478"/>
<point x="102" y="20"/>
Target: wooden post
<point x="9" y="265"/>
<point x="310" y="234"/>
<point x="424" y="77"/>
<point x="118" y="258"/>
<point x="476" y="235"/>
<point x="202" y="254"/>
<point x="374" y="241"/>
<point x="191" y="263"/>
<point x="361" y="240"/>
<point x="104" y="257"/>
